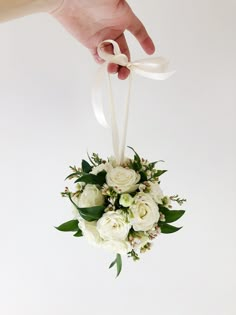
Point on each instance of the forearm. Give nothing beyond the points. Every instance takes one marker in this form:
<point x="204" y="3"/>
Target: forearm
<point x="11" y="9"/>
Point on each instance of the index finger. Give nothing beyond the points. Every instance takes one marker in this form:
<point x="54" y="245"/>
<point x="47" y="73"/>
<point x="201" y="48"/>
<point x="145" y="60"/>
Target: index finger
<point x="137" y="28"/>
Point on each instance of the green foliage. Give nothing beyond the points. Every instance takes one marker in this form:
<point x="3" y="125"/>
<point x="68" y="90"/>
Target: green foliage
<point x="133" y="255"/>
<point x="86" y="167"/>
<point x="143" y="176"/>
<point x="98" y="179"/>
<point x="160" y="172"/>
<point x="92" y="213"/>
<point x="96" y="159"/>
<point x="171" y="215"/>
<point x="177" y="199"/>
<point x="78" y="233"/>
<point x="118" y="263"/>
<point x="157" y="173"/>
<point x="136" y="163"/>
<point x="69" y="226"/>
<point x="167" y="228"/>
<point x="76" y="172"/>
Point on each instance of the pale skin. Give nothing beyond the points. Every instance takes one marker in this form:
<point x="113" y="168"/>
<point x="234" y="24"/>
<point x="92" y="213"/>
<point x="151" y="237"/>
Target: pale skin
<point x="89" y="21"/>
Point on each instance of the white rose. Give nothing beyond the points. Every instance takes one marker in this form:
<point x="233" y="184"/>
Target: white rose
<point x="119" y="247"/>
<point x="122" y="179"/>
<point x="90" y="231"/>
<point x="100" y="168"/>
<point x="144" y="212"/>
<point x="90" y="197"/>
<point x="156" y="192"/>
<point x="113" y="226"/>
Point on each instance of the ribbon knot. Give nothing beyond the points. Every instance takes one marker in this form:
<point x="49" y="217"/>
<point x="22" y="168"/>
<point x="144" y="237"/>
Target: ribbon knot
<point x="152" y="68"/>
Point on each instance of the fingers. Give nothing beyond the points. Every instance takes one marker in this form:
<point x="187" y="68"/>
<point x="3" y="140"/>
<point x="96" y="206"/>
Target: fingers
<point x="123" y="72"/>
<point x="96" y="56"/>
<point x="138" y="30"/>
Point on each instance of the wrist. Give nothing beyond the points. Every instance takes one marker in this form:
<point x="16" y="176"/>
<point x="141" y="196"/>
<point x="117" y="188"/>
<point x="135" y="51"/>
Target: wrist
<point x="12" y="9"/>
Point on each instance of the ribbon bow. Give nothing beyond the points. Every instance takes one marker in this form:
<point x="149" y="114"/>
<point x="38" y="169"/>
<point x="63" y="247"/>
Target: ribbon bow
<point x="152" y="68"/>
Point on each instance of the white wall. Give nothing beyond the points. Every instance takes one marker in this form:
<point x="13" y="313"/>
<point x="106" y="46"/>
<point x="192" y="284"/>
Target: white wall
<point x="47" y="124"/>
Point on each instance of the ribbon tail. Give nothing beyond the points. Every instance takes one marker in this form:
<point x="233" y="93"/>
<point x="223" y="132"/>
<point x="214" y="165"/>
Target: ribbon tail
<point x="114" y="128"/>
<point x="126" y="121"/>
<point x="97" y="97"/>
<point x="153" y="75"/>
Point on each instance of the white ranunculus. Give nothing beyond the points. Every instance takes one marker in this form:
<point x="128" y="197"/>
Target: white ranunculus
<point x="113" y="226"/>
<point x="144" y="212"/>
<point x="90" y="232"/>
<point x="119" y="247"/>
<point x="90" y="197"/>
<point x="156" y="192"/>
<point x="122" y="179"/>
<point x="101" y="167"/>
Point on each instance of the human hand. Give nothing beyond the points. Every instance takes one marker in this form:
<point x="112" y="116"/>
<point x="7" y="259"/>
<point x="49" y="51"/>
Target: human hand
<point x="92" y="21"/>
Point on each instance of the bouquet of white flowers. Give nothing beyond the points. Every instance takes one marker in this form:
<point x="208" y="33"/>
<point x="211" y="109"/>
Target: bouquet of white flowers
<point x="120" y="207"/>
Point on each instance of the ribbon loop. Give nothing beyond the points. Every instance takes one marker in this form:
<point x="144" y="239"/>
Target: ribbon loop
<point x="152" y="68"/>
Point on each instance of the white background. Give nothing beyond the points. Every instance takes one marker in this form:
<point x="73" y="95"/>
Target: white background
<point x="47" y="124"/>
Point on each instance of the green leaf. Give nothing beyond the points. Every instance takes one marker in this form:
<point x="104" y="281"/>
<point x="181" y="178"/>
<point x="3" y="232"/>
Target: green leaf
<point x="69" y="226"/>
<point x="101" y="178"/>
<point x="87" y="179"/>
<point x="160" y="172"/>
<point x="137" y="157"/>
<point x="167" y="228"/>
<point x="171" y="215"/>
<point x="112" y="264"/>
<point x="118" y="263"/>
<point x="98" y="179"/>
<point x="79" y="233"/>
<point x="92" y="213"/>
<point x="91" y="161"/>
<point x="143" y="177"/>
<point x="72" y="175"/>
<point x="137" y="165"/>
<point x="152" y="165"/>
<point x="174" y="215"/>
<point x="86" y="167"/>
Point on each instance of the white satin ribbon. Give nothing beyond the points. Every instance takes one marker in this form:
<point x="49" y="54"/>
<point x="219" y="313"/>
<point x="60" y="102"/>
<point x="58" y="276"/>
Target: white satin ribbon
<point x="152" y="68"/>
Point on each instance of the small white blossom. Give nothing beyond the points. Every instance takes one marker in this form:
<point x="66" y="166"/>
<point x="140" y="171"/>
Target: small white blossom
<point x="142" y="187"/>
<point x="126" y="200"/>
<point x="156" y="192"/>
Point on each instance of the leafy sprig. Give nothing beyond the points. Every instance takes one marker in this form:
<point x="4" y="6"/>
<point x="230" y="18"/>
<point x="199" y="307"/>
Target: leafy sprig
<point x="178" y="199"/>
<point x="132" y="254"/>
